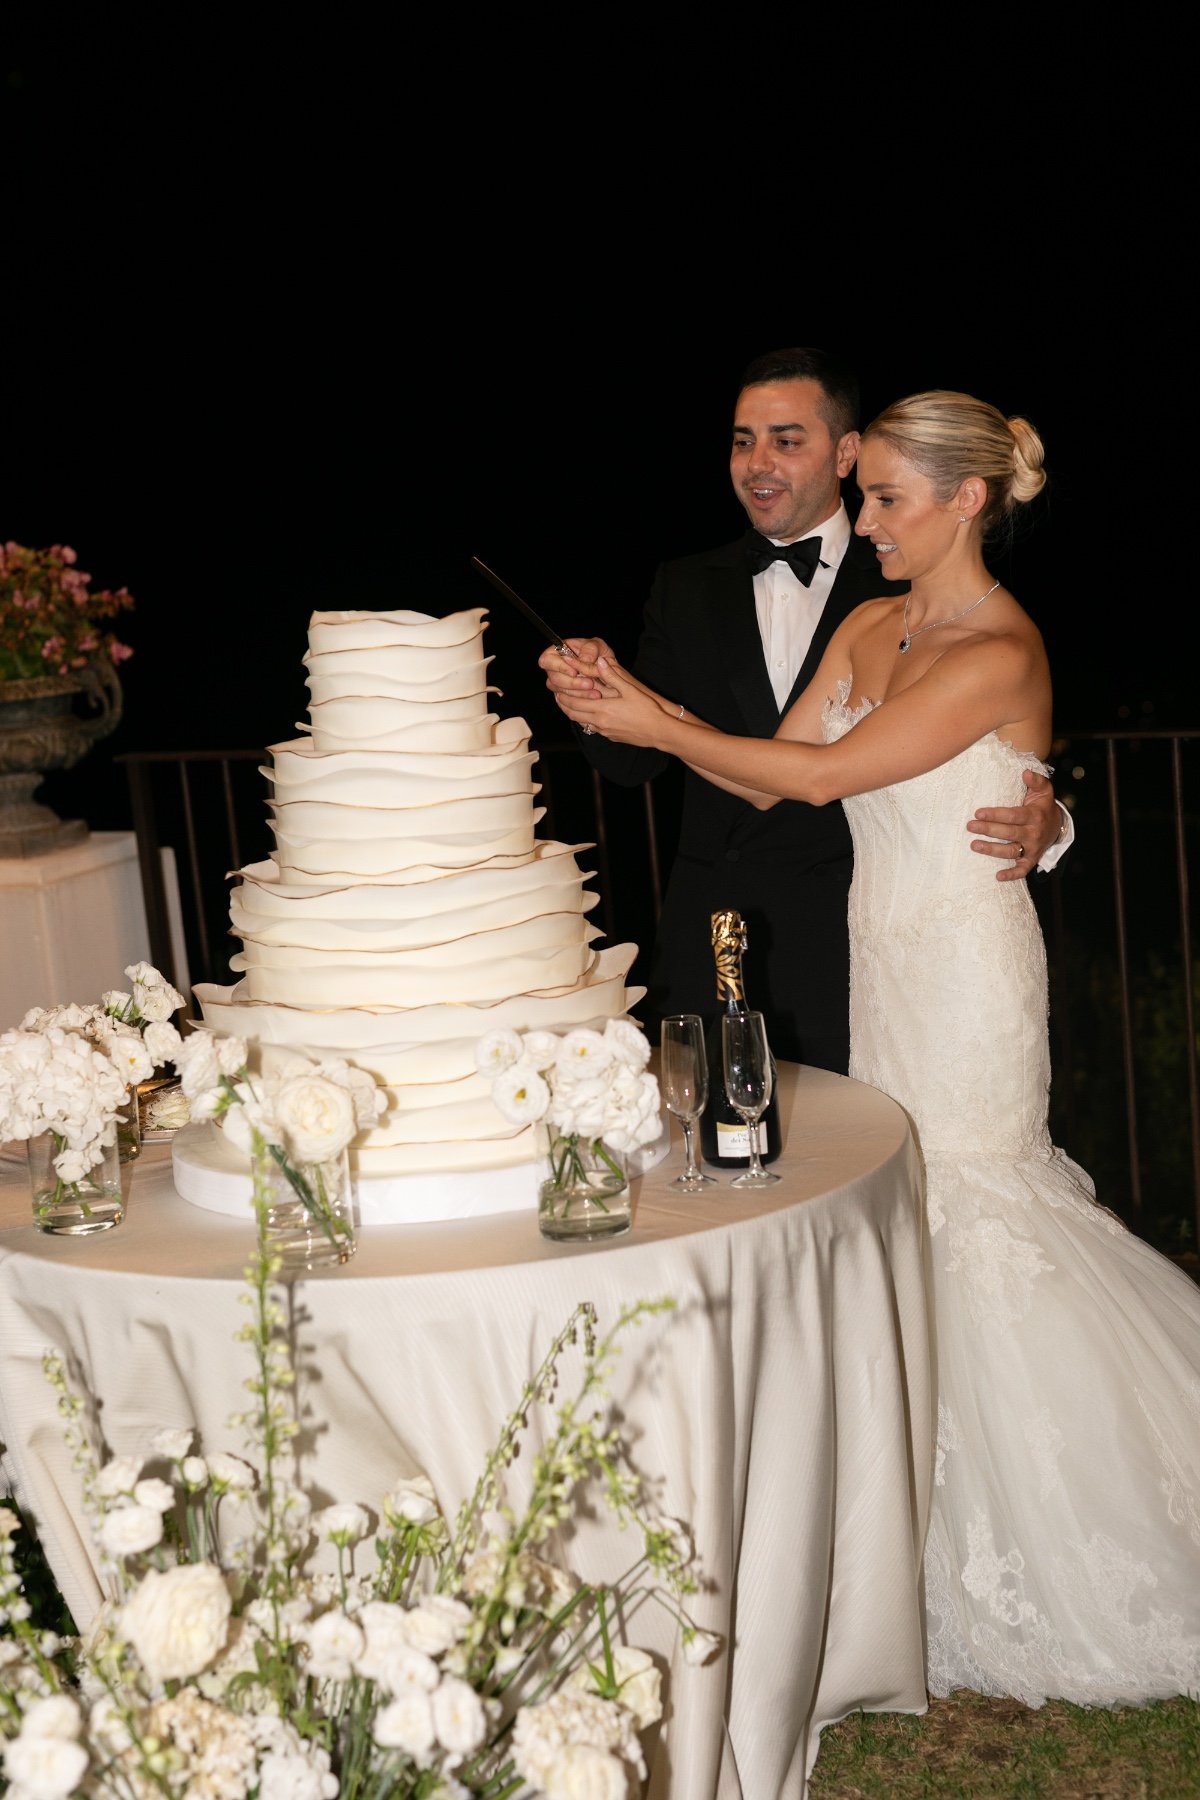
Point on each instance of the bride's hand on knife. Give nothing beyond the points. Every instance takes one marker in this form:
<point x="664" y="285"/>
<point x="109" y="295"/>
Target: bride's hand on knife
<point x="626" y="711"/>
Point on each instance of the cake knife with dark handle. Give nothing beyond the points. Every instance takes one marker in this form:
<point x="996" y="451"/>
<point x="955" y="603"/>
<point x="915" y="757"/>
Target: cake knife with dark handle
<point x="510" y="594"/>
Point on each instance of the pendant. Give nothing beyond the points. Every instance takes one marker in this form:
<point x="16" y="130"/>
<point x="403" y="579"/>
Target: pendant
<point x="904" y="643"/>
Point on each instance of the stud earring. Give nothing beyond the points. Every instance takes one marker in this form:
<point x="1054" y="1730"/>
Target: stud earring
<point x="962" y="518"/>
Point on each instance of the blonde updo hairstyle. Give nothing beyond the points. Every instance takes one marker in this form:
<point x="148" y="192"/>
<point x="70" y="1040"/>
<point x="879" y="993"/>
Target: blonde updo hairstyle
<point x="949" y="436"/>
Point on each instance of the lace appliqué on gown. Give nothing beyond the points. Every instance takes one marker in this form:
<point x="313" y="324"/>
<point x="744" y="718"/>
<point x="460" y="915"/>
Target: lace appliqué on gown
<point x="1063" y="1556"/>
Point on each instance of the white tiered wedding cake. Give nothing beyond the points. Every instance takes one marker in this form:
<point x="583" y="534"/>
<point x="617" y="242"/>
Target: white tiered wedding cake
<point x="407" y="910"/>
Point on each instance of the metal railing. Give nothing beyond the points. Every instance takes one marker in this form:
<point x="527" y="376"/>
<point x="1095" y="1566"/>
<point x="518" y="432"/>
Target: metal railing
<point x="1117" y="917"/>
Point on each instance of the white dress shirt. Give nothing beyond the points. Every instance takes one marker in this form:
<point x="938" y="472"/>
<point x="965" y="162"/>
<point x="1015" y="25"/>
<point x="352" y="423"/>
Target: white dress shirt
<point x="788" y="614"/>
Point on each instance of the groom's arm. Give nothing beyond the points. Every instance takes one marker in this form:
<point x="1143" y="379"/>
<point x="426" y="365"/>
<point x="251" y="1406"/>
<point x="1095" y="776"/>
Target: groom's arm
<point x="1033" y="836"/>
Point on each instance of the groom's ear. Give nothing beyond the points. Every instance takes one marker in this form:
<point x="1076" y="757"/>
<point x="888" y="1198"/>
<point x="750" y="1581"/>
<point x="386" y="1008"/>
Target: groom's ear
<point x="847" y="453"/>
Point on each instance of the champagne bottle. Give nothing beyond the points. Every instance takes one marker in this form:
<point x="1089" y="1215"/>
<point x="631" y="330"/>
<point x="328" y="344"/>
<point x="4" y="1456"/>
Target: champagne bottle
<point x="724" y="1134"/>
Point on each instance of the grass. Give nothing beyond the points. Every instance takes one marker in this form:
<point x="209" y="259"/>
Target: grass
<point x="970" y="1748"/>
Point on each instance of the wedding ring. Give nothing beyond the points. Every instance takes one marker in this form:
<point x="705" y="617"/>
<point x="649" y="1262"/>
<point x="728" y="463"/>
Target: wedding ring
<point x="1020" y="851"/>
<point x="588" y="730"/>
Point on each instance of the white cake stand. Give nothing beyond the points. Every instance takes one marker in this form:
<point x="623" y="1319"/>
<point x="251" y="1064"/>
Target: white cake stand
<point x="210" y="1173"/>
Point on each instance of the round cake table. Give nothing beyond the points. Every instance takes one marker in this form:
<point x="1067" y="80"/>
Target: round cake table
<point x="782" y="1408"/>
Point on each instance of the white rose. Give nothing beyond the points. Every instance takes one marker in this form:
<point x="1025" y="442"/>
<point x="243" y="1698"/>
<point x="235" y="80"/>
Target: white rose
<point x="177" y="1620"/>
<point x="130" y="1530"/>
<point x="698" y="1646"/>
<point x="156" y="1004"/>
<point x="249" y="1112"/>
<point x="370" y="1100"/>
<point x="414" y="1502"/>
<point x="459" y="1716"/>
<point x="44" y="1768"/>
<point x="316" y="1117"/>
<point x="344" y="1523"/>
<point x="406" y="1724"/>
<point x="640" y="1683"/>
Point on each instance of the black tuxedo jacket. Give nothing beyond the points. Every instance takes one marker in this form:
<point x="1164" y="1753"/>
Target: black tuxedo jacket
<point x="787" y="869"/>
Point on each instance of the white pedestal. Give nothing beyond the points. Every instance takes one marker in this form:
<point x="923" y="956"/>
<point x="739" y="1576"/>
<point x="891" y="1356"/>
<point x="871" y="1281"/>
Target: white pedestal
<point x="71" y="922"/>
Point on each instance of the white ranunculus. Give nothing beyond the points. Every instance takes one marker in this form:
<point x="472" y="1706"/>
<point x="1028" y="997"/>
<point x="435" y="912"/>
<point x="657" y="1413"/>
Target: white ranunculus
<point x="316" y="1117"/>
<point x="129" y="1530"/>
<point x="177" y="1620"/>
<point x="194" y="1470"/>
<point x="521" y="1094"/>
<point x="412" y="1502"/>
<point x="628" y="1042"/>
<point x="156" y="1004"/>
<point x="497" y="1051"/>
<point x="406" y="1724"/>
<point x="43" y="1768"/>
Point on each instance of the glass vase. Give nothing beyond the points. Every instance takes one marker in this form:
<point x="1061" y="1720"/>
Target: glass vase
<point x="93" y="1202"/>
<point x="586" y="1194"/>
<point x="308" y="1222"/>
<point x="129" y="1129"/>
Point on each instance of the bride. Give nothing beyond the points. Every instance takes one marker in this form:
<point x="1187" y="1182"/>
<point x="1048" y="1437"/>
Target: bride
<point x="1063" y="1554"/>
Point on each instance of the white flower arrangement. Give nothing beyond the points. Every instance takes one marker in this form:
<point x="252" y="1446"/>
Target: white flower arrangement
<point x="587" y="1086"/>
<point x="300" y="1117"/>
<point x="466" y="1666"/>
<point x="69" y="1069"/>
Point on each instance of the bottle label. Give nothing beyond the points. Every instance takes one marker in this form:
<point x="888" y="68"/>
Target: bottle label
<point x="733" y="1141"/>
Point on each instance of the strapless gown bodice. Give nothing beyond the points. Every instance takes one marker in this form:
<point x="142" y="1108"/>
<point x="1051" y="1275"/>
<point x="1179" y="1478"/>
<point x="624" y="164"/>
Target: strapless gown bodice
<point x="1063" y="1555"/>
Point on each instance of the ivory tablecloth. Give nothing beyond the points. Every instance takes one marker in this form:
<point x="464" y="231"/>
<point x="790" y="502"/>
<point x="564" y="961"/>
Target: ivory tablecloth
<point x="783" y="1409"/>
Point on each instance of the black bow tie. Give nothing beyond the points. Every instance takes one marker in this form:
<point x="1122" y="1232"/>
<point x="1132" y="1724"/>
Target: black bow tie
<point x="803" y="557"/>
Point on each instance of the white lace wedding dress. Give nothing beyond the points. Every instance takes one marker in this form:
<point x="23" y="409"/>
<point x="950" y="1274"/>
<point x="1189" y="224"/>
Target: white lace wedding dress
<point x="1063" y="1557"/>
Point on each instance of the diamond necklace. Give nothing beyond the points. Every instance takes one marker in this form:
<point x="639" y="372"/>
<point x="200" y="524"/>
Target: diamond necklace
<point x="933" y="624"/>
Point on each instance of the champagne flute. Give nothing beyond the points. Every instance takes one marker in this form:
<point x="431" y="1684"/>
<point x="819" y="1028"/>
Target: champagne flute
<point x="683" y="1079"/>
<point x="749" y="1080"/>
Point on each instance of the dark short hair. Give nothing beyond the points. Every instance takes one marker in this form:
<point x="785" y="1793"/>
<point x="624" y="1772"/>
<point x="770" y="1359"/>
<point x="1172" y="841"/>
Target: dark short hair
<point x="836" y="380"/>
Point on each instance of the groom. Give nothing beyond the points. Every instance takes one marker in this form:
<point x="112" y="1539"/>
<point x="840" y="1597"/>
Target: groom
<point x="735" y="634"/>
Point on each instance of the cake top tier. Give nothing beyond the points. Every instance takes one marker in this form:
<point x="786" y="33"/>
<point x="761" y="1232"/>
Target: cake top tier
<point x="398" y="680"/>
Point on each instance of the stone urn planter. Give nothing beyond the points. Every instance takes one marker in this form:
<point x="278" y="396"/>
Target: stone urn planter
<point x="49" y="722"/>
